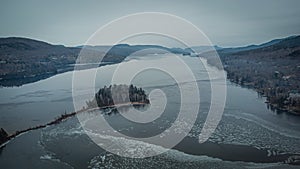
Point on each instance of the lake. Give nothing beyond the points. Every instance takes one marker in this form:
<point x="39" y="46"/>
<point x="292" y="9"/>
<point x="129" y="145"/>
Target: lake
<point x="249" y="135"/>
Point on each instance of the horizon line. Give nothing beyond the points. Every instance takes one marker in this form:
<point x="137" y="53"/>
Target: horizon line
<point x="132" y="44"/>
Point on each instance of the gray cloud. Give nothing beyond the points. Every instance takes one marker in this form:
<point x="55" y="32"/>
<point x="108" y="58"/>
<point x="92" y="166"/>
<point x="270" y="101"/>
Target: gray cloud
<point x="226" y="23"/>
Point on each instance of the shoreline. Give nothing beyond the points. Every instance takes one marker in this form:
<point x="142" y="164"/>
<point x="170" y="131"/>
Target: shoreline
<point x="62" y="118"/>
<point x="273" y="106"/>
<point x="16" y="81"/>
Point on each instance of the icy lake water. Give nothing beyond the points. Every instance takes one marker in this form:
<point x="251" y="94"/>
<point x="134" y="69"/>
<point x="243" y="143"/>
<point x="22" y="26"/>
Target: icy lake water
<point x="248" y="135"/>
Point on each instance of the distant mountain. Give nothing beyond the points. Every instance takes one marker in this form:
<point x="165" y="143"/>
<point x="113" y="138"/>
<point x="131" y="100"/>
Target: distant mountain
<point x="26" y="46"/>
<point x="289" y="42"/>
<point x="284" y="42"/>
<point x="24" y="60"/>
<point x="97" y="48"/>
<point x="125" y="49"/>
<point x="17" y="43"/>
<point x="202" y="49"/>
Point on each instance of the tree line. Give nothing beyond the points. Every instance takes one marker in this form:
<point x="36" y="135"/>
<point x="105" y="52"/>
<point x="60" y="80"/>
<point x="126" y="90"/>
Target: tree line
<point x="118" y="94"/>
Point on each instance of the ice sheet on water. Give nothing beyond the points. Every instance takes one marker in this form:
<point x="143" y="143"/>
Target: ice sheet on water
<point x="170" y="159"/>
<point x="47" y="157"/>
<point x="230" y="131"/>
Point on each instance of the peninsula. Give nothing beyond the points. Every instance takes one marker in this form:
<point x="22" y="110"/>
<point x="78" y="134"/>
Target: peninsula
<point x="107" y="97"/>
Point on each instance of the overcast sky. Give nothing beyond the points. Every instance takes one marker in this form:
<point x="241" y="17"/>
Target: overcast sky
<point x="226" y="22"/>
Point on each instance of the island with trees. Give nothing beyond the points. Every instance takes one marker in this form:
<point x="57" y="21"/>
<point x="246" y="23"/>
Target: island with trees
<point x="118" y="95"/>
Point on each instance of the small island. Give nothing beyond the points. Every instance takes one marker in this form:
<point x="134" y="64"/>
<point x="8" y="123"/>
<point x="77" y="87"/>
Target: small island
<point x="114" y="95"/>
